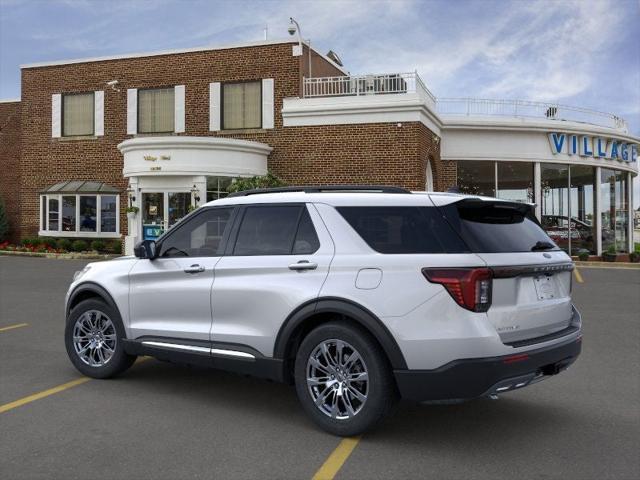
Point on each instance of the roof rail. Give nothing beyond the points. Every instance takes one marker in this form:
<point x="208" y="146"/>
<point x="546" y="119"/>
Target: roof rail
<point x="323" y="188"/>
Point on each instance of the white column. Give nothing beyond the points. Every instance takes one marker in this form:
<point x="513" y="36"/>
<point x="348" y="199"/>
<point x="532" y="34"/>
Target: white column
<point x="598" y="214"/>
<point x="630" y="211"/>
<point x="537" y="189"/>
<point x="133" y="224"/>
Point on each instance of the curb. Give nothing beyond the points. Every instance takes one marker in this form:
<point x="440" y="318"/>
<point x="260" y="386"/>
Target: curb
<point x="618" y="265"/>
<point x="61" y="256"/>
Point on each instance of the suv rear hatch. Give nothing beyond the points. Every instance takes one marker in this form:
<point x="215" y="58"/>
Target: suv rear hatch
<point x="531" y="289"/>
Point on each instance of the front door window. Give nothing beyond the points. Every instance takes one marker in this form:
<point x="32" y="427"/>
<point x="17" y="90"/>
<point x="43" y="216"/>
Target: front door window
<point x="179" y="203"/>
<point x="153" y="217"/>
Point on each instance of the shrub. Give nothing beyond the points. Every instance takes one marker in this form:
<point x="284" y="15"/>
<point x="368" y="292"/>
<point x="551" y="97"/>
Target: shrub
<point x="47" y="242"/>
<point x="115" y="246"/>
<point x="64" y="244"/>
<point x="583" y="255"/>
<point x="98" y="245"/>
<point x="4" y="222"/>
<point x="260" y="181"/>
<point x="28" y="241"/>
<point x="79" y="246"/>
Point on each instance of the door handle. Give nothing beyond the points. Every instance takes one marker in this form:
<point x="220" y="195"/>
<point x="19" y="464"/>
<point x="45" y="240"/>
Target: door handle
<point x="194" y="269"/>
<point x="303" y="265"/>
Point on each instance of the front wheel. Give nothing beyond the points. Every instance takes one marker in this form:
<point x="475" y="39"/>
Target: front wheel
<point x="343" y="379"/>
<point x="93" y="338"/>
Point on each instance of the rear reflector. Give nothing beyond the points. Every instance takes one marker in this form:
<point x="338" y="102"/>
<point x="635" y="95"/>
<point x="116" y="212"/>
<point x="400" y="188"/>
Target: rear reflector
<point x="469" y="287"/>
<point x="516" y="358"/>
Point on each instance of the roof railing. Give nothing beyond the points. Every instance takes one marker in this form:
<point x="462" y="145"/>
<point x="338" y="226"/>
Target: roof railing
<point x="528" y="109"/>
<point x="358" y="85"/>
<point x="411" y="83"/>
<point x="323" y="189"/>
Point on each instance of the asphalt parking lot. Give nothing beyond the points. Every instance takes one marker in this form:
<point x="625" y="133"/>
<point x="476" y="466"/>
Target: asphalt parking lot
<point x="164" y="421"/>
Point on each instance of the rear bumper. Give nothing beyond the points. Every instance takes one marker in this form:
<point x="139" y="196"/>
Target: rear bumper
<point x="478" y="377"/>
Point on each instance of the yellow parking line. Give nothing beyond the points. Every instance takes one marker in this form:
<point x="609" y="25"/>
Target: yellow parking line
<point x="11" y="327"/>
<point x="334" y="463"/>
<point x="60" y="388"/>
<point x="579" y="278"/>
<point x="37" y="396"/>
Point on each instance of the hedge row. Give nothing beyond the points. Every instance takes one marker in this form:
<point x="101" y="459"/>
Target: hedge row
<point x="70" y="245"/>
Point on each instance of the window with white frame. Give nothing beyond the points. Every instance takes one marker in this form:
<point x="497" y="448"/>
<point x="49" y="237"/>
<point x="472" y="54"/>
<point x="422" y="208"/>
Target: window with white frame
<point x="241" y="105"/>
<point x="156" y="110"/>
<point x="217" y="187"/>
<point x="79" y="215"/>
<point x="78" y="114"/>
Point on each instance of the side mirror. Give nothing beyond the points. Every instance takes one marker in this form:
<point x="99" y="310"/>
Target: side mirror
<point x="145" y="249"/>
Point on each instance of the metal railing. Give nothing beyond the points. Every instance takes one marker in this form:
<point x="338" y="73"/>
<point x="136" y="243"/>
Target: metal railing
<point x="525" y="108"/>
<point x="400" y="83"/>
<point x="356" y="85"/>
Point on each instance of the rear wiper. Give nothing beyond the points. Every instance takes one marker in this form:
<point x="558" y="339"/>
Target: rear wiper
<point x="542" y="246"/>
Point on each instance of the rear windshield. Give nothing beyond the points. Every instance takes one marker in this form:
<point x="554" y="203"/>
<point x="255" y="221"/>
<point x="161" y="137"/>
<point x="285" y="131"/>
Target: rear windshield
<point x="403" y="229"/>
<point x="497" y="227"/>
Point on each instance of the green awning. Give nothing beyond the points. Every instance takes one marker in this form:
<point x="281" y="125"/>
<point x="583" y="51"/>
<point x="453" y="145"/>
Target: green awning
<point x="81" y="186"/>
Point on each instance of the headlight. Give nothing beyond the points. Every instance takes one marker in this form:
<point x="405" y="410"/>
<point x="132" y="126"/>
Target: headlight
<point x="80" y="273"/>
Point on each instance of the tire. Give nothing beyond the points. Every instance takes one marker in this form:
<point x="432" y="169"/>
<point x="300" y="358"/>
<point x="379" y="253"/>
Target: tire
<point x="98" y="351"/>
<point x="341" y="409"/>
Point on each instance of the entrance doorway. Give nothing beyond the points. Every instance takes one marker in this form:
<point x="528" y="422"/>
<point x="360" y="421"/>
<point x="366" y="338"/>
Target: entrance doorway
<point x="161" y="211"/>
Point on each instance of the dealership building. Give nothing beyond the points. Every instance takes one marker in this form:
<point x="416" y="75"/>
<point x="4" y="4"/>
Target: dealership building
<point x="168" y="131"/>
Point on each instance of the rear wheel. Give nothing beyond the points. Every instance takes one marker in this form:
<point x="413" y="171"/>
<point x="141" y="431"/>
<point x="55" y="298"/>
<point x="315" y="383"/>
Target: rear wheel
<point x="343" y="379"/>
<point x="93" y="338"/>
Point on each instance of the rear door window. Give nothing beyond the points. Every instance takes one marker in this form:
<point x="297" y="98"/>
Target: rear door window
<point x="403" y="229"/>
<point x="497" y="227"/>
<point x="276" y="230"/>
<point x="306" y="241"/>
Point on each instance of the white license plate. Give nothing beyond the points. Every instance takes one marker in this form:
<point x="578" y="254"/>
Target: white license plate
<point x="544" y="287"/>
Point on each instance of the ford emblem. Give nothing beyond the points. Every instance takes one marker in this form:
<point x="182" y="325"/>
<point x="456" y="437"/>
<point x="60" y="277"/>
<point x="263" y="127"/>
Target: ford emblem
<point x="547" y="255"/>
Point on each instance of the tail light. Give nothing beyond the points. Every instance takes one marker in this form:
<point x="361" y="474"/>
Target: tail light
<point x="469" y="287"/>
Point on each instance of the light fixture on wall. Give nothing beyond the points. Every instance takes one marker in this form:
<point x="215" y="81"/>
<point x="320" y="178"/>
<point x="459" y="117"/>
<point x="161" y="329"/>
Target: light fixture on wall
<point x="132" y="195"/>
<point x="195" y="194"/>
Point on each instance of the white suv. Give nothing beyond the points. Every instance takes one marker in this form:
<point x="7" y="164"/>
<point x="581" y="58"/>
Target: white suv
<point x="357" y="295"/>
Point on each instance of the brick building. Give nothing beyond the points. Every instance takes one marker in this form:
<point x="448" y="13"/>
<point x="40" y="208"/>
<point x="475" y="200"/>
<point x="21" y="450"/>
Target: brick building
<point x="166" y="131"/>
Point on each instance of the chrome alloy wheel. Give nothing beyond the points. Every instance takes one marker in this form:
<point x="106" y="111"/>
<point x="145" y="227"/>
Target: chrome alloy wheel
<point x="337" y="379"/>
<point x="94" y="338"/>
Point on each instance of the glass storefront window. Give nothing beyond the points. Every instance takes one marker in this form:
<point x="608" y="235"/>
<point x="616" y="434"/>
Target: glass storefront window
<point x="179" y="203"/>
<point x="88" y="214"/>
<point x="108" y="213"/>
<point x="555" y="202"/>
<point x="217" y="187"/>
<point x="583" y="228"/>
<point x="477" y="177"/>
<point x="515" y="181"/>
<point x="53" y="214"/>
<point x="69" y="213"/>
<point x="614" y="210"/>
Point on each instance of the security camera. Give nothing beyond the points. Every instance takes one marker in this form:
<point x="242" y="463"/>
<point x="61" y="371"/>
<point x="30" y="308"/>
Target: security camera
<point x="113" y="84"/>
<point x="291" y="29"/>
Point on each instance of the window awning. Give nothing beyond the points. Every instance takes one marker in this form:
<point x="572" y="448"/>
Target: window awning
<point x="81" y="186"/>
